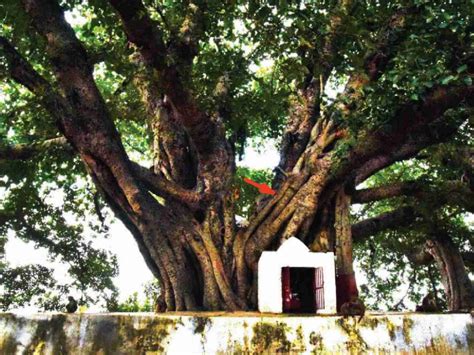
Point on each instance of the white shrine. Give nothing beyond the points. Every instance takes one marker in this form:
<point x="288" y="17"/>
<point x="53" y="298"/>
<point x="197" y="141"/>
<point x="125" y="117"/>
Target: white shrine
<point x="295" y="280"/>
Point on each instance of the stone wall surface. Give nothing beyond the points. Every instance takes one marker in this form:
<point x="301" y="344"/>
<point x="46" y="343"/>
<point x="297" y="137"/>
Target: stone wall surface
<point x="224" y="333"/>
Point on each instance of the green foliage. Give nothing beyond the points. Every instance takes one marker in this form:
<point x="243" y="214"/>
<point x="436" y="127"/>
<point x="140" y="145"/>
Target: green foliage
<point x="392" y="283"/>
<point x="20" y="285"/>
<point x="252" y="58"/>
<point x="133" y="303"/>
<point x="391" y="279"/>
<point x="248" y="194"/>
<point x="49" y="201"/>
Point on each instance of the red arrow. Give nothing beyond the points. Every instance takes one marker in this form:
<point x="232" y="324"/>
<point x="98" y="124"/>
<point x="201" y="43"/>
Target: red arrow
<point x="262" y="188"/>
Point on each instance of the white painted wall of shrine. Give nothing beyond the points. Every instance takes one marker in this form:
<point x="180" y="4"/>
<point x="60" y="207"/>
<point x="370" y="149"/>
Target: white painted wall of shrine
<point x="293" y="253"/>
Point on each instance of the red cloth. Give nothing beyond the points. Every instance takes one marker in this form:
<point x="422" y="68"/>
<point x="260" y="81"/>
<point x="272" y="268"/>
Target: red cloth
<point x="345" y="288"/>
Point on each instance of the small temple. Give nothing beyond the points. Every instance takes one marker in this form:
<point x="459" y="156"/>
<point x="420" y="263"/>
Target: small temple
<point x="293" y="279"/>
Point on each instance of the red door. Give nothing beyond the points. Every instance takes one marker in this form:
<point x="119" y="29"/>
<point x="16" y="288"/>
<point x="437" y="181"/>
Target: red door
<point x="318" y="288"/>
<point x="291" y="300"/>
<point x="286" y="288"/>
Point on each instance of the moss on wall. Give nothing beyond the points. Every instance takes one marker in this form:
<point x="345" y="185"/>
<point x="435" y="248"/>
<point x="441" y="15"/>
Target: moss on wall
<point x="200" y="324"/>
<point x="51" y="330"/>
<point x="299" y="344"/>
<point x="470" y="334"/>
<point x="406" y="329"/>
<point x="8" y="344"/>
<point x="147" y="333"/>
<point x="270" y="338"/>
<point x="316" y="340"/>
<point x="355" y="342"/>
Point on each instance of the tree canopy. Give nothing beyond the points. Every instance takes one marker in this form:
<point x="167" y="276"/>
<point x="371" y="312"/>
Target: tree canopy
<point x="138" y="110"/>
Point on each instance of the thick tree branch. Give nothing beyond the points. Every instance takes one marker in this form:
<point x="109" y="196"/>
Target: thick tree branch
<point x="209" y="142"/>
<point x="414" y="127"/>
<point x="144" y="33"/>
<point x="376" y="60"/>
<point x="27" y="151"/>
<point x="173" y="155"/>
<point x="401" y="217"/>
<point x="440" y="248"/>
<point x="21" y="71"/>
<point x="389" y="38"/>
<point x="167" y="189"/>
<point x="300" y="124"/>
<point x="72" y="70"/>
<point x="422" y="257"/>
<point x="306" y="108"/>
<point x="448" y="192"/>
<point x="92" y="132"/>
<point x="90" y="129"/>
<point x="436" y="132"/>
<point x="385" y="191"/>
<point x="207" y="134"/>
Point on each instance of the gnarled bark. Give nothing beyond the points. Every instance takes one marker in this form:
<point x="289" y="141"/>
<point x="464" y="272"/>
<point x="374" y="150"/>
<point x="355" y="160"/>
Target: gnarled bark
<point x="450" y="264"/>
<point x="346" y="286"/>
<point x="188" y="235"/>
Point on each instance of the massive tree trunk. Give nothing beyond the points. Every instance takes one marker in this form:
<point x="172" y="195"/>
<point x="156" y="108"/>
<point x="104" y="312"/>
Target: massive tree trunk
<point x="188" y="235"/>
<point x="450" y="264"/>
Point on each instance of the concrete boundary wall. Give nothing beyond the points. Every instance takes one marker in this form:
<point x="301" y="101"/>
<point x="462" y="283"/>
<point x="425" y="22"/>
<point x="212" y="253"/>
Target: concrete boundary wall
<point x="224" y="333"/>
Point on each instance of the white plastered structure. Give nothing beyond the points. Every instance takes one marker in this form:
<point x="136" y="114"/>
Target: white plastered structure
<point x="293" y="253"/>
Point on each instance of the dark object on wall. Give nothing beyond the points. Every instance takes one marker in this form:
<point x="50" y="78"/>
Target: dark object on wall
<point x="428" y="304"/>
<point x="71" y="306"/>
<point x="354" y="307"/>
